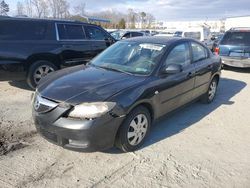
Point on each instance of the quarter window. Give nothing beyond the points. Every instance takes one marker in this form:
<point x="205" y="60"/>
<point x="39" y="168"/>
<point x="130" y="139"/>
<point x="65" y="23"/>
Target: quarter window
<point x="199" y="52"/>
<point x="70" y="32"/>
<point x="94" y="33"/>
<point x="179" y="55"/>
<point x="23" y="30"/>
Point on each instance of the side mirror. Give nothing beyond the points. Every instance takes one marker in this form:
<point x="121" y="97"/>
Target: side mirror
<point x="123" y="38"/>
<point x="172" y="69"/>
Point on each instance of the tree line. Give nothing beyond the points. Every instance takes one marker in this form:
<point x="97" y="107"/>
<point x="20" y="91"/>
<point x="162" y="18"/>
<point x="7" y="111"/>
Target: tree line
<point x="61" y="9"/>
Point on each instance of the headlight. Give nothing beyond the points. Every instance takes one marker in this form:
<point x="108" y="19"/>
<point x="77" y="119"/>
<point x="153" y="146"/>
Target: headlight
<point x="91" y="110"/>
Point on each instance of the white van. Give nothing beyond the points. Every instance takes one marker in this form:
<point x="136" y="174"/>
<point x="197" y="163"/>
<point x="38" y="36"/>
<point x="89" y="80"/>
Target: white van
<point x="199" y="33"/>
<point x="202" y="34"/>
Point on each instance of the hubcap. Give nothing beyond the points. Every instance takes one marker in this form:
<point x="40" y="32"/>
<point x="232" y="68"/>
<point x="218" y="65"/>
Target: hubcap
<point x="212" y="90"/>
<point x="41" y="72"/>
<point x="137" y="129"/>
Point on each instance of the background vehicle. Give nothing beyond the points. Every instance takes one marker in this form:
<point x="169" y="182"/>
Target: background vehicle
<point x="115" y="99"/>
<point x="164" y="34"/>
<point x="37" y="47"/>
<point x="199" y="33"/>
<point x="131" y="34"/>
<point x="234" y="48"/>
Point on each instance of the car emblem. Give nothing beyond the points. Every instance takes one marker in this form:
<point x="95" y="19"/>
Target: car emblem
<point x="37" y="104"/>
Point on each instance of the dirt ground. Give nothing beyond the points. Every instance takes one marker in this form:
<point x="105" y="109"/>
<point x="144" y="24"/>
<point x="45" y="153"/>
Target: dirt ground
<point x="199" y="146"/>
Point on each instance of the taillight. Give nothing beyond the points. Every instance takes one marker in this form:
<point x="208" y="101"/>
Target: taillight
<point x="217" y="50"/>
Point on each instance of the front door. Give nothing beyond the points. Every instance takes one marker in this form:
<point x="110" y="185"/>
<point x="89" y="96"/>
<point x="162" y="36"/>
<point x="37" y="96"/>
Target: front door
<point x="176" y="90"/>
<point x="76" y="49"/>
<point x="99" y="39"/>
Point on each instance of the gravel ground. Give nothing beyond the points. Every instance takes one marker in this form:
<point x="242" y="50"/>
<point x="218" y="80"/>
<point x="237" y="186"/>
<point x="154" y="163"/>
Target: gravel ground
<point x="199" y="146"/>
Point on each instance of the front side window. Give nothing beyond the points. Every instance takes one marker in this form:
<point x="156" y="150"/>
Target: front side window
<point x="131" y="57"/>
<point x="70" y="32"/>
<point x="199" y="52"/>
<point x="94" y="33"/>
<point x="179" y="55"/>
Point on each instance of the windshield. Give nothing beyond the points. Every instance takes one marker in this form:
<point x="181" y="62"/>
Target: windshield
<point x="193" y="35"/>
<point x="131" y="57"/>
<point x="236" y="38"/>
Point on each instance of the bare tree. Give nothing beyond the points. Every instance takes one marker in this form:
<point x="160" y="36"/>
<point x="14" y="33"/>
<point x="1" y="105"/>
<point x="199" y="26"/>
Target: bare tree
<point x="80" y="9"/>
<point x="41" y="7"/>
<point x="59" y="8"/>
<point x="28" y="7"/>
<point x="20" y="8"/>
<point x="4" y="8"/>
<point x="149" y="20"/>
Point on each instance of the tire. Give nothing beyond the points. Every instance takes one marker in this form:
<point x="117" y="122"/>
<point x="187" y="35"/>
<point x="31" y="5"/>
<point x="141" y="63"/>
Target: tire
<point x="129" y="139"/>
<point x="209" y="96"/>
<point x="43" y="67"/>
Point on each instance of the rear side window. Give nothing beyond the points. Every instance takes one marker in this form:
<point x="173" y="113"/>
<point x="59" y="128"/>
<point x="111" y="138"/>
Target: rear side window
<point x="94" y="33"/>
<point x="23" y="30"/>
<point x="193" y="35"/>
<point x="199" y="52"/>
<point x="179" y="55"/>
<point x="236" y="38"/>
<point x="70" y="32"/>
<point x="136" y="34"/>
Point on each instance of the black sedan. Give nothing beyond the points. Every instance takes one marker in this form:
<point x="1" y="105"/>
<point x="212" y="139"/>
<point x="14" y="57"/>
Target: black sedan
<point x="114" y="99"/>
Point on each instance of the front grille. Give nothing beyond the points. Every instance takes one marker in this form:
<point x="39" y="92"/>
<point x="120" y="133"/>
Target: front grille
<point x="42" y="105"/>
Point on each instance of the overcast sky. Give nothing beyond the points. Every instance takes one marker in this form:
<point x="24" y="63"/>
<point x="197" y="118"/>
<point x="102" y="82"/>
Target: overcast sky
<point x="168" y="10"/>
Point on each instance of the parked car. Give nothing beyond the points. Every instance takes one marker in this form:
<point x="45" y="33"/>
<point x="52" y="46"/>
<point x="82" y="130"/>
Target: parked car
<point x="165" y="34"/>
<point x="202" y="34"/>
<point x="131" y="34"/>
<point x="115" y="98"/>
<point x="118" y="34"/>
<point x="37" y="47"/>
<point x="234" y="48"/>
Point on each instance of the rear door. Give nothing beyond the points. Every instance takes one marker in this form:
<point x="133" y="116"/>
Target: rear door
<point x="236" y="44"/>
<point x="76" y="49"/>
<point x="100" y="39"/>
<point x="177" y="89"/>
<point x="203" y="68"/>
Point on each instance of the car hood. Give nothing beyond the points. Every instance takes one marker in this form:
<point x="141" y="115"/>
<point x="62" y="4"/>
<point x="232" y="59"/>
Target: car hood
<point x="85" y="84"/>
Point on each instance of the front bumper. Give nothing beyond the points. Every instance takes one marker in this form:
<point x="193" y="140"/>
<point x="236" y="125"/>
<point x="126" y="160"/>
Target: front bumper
<point x="236" y="62"/>
<point x="78" y="135"/>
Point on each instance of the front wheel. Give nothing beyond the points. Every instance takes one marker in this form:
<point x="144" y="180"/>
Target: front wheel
<point x="134" y="130"/>
<point x="211" y="93"/>
<point x="38" y="70"/>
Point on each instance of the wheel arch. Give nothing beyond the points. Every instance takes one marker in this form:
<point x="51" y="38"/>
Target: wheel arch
<point x="43" y="57"/>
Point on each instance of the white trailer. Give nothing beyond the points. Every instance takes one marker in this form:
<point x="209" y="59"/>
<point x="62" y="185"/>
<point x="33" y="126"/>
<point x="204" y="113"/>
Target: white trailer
<point x="241" y="21"/>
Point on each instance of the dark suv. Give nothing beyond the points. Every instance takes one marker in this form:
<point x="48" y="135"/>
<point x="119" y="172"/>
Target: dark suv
<point x="234" y="48"/>
<point x="37" y="47"/>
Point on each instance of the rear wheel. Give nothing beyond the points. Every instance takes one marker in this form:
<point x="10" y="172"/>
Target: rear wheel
<point x="38" y="70"/>
<point x="134" y="130"/>
<point x="211" y="93"/>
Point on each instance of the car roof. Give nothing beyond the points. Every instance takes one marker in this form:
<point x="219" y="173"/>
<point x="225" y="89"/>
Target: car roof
<point x="159" y="40"/>
<point x="45" y="20"/>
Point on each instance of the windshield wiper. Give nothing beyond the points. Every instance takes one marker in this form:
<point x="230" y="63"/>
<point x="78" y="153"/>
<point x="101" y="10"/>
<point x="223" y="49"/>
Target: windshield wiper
<point x="117" y="70"/>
